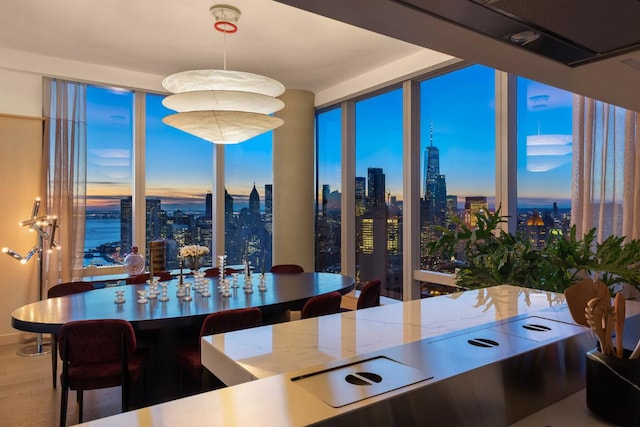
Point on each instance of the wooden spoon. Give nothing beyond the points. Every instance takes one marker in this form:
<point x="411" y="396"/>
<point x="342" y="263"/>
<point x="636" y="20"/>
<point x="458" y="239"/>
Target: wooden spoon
<point x="599" y="317"/>
<point x="619" y="309"/>
<point x="577" y="296"/>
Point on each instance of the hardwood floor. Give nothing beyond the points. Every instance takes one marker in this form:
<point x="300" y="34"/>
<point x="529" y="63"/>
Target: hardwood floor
<point x="27" y="397"/>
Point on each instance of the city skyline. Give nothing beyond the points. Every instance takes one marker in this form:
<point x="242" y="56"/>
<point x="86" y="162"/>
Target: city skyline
<point x="458" y="106"/>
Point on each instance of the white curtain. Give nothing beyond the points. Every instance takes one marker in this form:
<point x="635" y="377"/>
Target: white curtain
<point x="64" y="176"/>
<point x="606" y="169"/>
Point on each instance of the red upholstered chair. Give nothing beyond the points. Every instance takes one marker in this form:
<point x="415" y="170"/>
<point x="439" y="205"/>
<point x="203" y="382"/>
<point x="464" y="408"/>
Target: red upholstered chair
<point x="369" y="295"/>
<point x="189" y="359"/>
<point x="97" y="354"/>
<point x="321" y="305"/>
<point x="143" y="277"/>
<point x="286" y="268"/>
<point x="61" y="290"/>
<point x="214" y="272"/>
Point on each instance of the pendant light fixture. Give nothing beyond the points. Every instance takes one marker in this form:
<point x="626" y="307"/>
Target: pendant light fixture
<point x="223" y="106"/>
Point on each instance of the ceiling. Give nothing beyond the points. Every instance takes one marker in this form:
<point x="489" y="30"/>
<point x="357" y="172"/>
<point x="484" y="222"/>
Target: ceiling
<point x="302" y="49"/>
<point x="475" y="31"/>
<point x="298" y="48"/>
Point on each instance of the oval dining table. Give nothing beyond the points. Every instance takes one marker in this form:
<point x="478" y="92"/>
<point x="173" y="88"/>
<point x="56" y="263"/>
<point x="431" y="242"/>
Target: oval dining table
<point x="283" y="292"/>
<point x="163" y="324"/>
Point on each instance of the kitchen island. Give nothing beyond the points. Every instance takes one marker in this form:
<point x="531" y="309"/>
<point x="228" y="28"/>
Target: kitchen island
<point x="424" y="342"/>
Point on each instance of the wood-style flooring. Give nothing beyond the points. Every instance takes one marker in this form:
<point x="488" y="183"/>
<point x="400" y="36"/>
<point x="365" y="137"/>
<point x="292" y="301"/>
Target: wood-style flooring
<point x="27" y="397"/>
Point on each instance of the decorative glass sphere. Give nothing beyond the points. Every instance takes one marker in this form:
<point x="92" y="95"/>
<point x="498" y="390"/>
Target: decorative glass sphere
<point x="134" y="262"/>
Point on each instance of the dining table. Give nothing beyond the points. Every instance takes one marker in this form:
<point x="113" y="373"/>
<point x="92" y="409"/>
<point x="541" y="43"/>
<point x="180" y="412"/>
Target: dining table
<point x="163" y="325"/>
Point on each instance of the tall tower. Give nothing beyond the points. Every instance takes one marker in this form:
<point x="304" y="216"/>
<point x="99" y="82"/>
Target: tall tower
<point x="376" y="188"/>
<point x="361" y="198"/>
<point x="268" y="199"/>
<point x="153" y="219"/>
<point x="435" y="186"/>
<point x="228" y="204"/>
<point x="326" y="191"/>
<point x="208" y="205"/>
<point x="254" y="201"/>
<point x="126" y="222"/>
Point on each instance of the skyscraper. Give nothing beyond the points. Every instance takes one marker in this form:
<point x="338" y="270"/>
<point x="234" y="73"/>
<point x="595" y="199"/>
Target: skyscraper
<point x="126" y="224"/>
<point x="376" y="191"/>
<point x="435" y="186"/>
<point x="361" y="198"/>
<point x="228" y="204"/>
<point x="325" y="198"/>
<point x="254" y="202"/>
<point x="268" y="199"/>
<point x="208" y="204"/>
<point x="472" y="206"/>
<point x="153" y="219"/>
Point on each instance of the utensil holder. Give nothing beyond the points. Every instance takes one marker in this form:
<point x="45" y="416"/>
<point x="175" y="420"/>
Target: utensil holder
<point x="613" y="388"/>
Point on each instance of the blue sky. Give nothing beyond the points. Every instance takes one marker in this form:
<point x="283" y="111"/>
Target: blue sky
<point x="460" y="108"/>
<point x="458" y="105"/>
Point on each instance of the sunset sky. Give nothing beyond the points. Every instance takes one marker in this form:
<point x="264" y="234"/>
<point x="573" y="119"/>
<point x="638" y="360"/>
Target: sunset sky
<point x="459" y="106"/>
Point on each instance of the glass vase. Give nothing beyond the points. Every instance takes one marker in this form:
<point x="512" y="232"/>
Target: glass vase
<point x="134" y="262"/>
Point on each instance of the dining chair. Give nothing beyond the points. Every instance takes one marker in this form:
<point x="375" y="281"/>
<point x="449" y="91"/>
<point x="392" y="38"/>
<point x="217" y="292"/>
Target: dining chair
<point x="97" y="354"/>
<point x="143" y="277"/>
<point x="61" y="290"/>
<point x="286" y="268"/>
<point x="189" y="358"/>
<point x="321" y="305"/>
<point x="215" y="271"/>
<point x="369" y="295"/>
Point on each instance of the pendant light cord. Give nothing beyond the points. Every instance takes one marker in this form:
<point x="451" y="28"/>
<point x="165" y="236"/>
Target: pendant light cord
<point x="224" y="51"/>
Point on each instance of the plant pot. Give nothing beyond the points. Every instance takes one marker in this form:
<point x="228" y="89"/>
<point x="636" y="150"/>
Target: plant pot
<point x="613" y="388"/>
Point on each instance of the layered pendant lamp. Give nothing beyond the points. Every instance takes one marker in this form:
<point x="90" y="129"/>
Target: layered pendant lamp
<point x="223" y="106"/>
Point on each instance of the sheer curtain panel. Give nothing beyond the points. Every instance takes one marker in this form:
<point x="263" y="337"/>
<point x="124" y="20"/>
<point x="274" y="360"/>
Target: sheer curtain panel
<point x="606" y="169"/>
<point x="64" y="176"/>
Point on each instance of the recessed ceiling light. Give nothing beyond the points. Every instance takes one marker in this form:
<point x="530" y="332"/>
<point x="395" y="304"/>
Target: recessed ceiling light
<point x="524" y="37"/>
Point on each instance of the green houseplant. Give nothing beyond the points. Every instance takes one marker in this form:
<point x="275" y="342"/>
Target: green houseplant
<point x="493" y="256"/>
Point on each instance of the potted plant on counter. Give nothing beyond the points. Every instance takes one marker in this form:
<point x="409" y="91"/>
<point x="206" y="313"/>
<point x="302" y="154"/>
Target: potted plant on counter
<point x="491" y="256"/>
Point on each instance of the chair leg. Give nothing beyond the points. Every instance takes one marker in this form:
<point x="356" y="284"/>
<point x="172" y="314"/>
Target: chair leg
<point x="63" y="405"/>
<point x="80" y="398"/>
<point x="125" y="397"/>
<point x="54" y="359"/>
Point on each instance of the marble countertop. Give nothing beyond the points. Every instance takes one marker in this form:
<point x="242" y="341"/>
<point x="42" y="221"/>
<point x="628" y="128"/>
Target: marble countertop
<point x="241" y="356"/>
<point x="263" y="361"/>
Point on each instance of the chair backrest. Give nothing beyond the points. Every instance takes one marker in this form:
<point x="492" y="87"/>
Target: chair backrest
<point x="231" y="320"/>
<point x="143" y="277"/>
<point x="369" y="295"/>
<point x="321" y="305"/>
<point x="63" y="289"/>
<point x="287" y="268"/>
<point x="212" y="272"/>
<point x="215" y="272"/>
<point x="95" y="341"/>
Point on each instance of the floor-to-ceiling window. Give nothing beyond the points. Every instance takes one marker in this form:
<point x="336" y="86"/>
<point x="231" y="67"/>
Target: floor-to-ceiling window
<point x="328" y="190"/>
<point x="108" y="236"/>
<point x="457" y="144"/>
<point x="178" y="173"/>
<point x="544" y="160"/>
<point x="248" y="205"/>
<point x="378" y="191"/>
